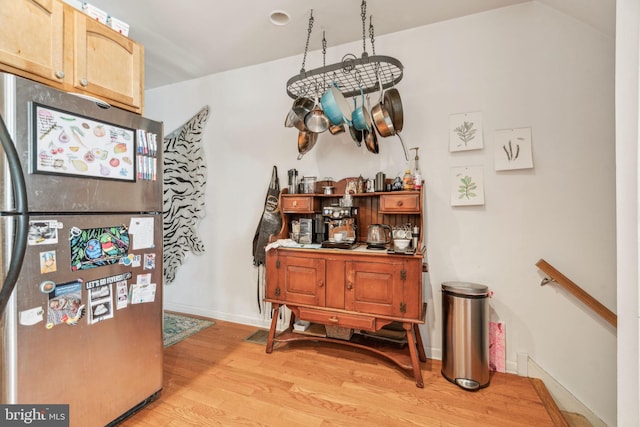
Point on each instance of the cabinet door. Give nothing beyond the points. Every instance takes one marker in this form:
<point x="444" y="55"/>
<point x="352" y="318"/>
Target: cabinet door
<point x="31" y="39"/>
<point x="375" y="287"/>
<point x="107" y="64"/>
<point x="301" y="280"/>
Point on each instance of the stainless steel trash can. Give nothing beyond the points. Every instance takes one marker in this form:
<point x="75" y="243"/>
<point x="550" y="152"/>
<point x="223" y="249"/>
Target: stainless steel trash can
<point x="465" y="334"/>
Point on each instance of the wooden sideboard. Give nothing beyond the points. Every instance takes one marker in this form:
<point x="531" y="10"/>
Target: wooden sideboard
<point x="352" y="289"/>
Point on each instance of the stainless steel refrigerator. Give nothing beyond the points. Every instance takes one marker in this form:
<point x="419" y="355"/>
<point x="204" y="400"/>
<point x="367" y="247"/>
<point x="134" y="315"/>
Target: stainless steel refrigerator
<point x="80" y="254"/>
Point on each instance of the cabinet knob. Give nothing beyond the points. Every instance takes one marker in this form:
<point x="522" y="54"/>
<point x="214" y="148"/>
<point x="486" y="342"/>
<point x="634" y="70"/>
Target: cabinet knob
<point x="399" y="203"/>
<point x="349" y="286"/>
<point x="320" y="284"/>
<point x="60" y="74"/>
<point x="295" y="203"/>
<point x="334" y="319"/>
<point x="84" y="82"/>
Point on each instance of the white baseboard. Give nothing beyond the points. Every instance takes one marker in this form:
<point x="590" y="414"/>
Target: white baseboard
<point x="243" y="320"/>
<point x="564" y="399"/>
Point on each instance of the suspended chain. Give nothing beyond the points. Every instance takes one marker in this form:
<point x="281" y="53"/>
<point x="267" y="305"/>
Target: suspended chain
<point x="324" y="50"/>
<point x="363" y="15"/>
<point x="324" y="59"/>
<point x="373" y="46"/>
<point x="306" y="46"/>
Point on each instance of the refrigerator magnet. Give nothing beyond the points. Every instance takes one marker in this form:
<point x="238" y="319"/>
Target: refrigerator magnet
<point x="47" y="286"/>
<point x="48" y="262"/>
<point x="31" y="316"/>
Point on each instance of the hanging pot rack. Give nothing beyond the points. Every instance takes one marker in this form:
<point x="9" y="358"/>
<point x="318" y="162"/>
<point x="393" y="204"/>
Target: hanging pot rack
<point x="352" y="75"/>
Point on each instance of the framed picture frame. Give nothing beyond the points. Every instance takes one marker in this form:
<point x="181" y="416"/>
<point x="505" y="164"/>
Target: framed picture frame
<point x="465" y="132"/>
<point x="467" y="186"/>
<point x="65" y="143"/>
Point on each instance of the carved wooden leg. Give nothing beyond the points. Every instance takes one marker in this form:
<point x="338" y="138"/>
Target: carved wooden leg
<point x="421" y="354"/>
<point x="411" y="343"/>
<point x="292" y="320"/>
<point x="274" y="325"/>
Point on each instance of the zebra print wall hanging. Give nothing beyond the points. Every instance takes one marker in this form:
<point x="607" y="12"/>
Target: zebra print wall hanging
<point x="185" y="179"/>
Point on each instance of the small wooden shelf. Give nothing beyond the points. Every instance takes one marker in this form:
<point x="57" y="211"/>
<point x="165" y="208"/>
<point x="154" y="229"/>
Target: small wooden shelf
<point x="407" y="357"/>
<point x="395" y="353"/>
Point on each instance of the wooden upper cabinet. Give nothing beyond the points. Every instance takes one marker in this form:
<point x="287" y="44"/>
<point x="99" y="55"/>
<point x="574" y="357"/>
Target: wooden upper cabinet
<point x="55" y="44"/>
<point x="31" y="39"/>
<point x="106" y="63"/>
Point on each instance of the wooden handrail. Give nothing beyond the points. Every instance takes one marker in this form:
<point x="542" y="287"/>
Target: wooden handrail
<point x="577" y="291"/>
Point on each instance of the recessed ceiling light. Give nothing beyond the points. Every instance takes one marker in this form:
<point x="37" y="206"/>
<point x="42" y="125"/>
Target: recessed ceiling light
<point x="279" y="17"/>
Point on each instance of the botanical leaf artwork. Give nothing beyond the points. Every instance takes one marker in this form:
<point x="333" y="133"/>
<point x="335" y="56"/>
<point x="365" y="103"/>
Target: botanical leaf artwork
<point x="465" y="131"/>
<point x="467" y="187"/>
<point x="508" y="149"/>
<point x="513" y="149"/>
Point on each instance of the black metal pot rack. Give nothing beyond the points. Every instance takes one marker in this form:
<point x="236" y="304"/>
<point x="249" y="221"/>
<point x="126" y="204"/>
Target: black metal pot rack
<point x="350" y="75"/>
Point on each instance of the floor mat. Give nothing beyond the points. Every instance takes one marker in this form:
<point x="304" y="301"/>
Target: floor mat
<point x="178" y="327"/>
<point x="258" y="337"/>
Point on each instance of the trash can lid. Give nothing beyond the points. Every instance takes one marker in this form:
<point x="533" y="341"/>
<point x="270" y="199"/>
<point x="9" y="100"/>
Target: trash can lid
<point x="466" y="288"/>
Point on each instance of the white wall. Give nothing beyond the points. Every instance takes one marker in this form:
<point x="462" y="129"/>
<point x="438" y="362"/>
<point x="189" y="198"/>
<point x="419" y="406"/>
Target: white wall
<point x="522" y="66"/>
<point x="627" y="108"/>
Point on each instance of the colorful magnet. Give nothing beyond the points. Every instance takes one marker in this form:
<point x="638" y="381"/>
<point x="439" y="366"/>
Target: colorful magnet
<point x="47" y="286"/>
<point x="48" y="262"/>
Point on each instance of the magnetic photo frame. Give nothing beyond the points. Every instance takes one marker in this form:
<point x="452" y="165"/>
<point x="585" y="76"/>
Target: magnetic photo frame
<point x="65" y="143"/>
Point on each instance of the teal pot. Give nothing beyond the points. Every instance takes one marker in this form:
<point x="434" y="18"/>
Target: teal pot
<point x="360" y="116"/>
<point x="335" y="106"/>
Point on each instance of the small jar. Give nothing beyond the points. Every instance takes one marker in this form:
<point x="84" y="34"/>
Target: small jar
<point x="407" y="180"/>
<point x="309" y="184"/>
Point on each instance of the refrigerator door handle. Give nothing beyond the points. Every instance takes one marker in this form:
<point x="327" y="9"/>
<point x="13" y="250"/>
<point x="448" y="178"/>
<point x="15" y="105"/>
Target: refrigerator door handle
<point x="22" y="229"/>
<point x="17" y="256"/>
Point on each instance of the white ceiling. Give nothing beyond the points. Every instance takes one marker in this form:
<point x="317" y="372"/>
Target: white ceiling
<point x="192" y="38"/>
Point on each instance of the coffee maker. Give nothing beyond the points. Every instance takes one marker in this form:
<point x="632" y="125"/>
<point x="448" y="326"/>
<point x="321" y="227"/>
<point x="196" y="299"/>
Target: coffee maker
<point x="340" y="226"/>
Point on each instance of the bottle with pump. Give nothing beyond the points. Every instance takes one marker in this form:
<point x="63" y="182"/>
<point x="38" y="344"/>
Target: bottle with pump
<point x="417" y="174"/>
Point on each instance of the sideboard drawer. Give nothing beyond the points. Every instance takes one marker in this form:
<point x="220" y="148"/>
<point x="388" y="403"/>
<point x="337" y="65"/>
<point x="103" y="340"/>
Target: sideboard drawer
<point x="338" y="319"/>
<point x="298" y="204"/>
<point x="405" y="202"/>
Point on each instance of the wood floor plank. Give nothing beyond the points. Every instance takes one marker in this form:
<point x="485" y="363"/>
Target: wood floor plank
<point x="217" y="378"/>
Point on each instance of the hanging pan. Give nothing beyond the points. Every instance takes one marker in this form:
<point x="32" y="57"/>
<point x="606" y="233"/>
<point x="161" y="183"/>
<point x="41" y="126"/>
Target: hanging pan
<point x="316" y="121"/>
<point x="384" y="124"/>
<point x="356" y="135"/>
<point x="336" y="129"/>
<point x="393" y="105"/>
<point x="371" y="140"/>
<point x="381" y="117"/>
<point x="306" y="141"/>
<point x="369" y="136"/>
<point x="301" y="107"/>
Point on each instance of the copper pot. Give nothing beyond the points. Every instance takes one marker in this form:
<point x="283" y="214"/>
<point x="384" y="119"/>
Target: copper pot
<point x="382" y="120"/>
<point x="393" y="104"/>
<point x="371" y="140"/>
<point x="306" y="141"/>
<point x="336" y="129"/>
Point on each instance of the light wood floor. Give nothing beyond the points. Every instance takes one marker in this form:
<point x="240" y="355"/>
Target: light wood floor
<point x="215" y="378"/>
